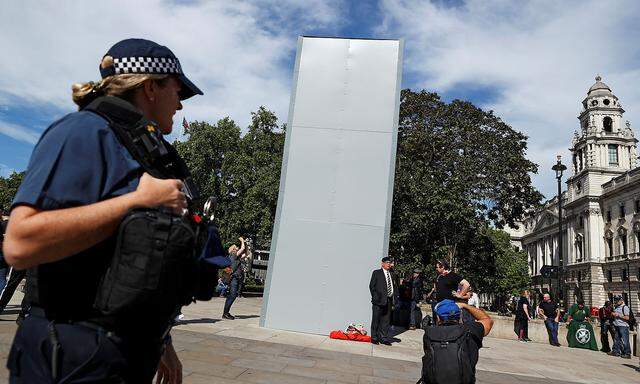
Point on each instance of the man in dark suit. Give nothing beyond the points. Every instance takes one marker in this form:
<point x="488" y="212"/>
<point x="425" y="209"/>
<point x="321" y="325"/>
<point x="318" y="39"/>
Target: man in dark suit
<point x="384" y="290"/>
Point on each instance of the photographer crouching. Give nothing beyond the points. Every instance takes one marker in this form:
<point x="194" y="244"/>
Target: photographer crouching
<point x="101" y="221"/>
<point x="451" y="347"/>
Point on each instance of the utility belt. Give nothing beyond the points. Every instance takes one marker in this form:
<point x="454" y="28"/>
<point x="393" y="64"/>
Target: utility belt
<point x="41" y="313"/>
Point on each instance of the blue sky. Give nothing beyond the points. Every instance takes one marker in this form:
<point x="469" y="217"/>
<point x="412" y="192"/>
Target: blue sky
<point x="529" y="61"/>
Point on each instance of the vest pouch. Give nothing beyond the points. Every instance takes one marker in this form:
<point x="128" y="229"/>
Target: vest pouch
<point x="153" y="269"/>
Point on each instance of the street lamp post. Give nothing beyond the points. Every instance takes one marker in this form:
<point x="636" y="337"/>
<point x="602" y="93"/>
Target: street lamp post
<point x="629" y="282"/>
<point x="559" y="168"/>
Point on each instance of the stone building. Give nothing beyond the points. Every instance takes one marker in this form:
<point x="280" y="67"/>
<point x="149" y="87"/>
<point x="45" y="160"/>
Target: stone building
<point x="601" y="211"/>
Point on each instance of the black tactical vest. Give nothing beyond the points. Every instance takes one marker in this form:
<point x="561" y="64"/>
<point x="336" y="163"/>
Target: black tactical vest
<point x="136" y="281"/>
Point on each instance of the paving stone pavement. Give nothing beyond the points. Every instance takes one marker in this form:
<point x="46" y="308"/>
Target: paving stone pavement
<point x="216" y="351"/>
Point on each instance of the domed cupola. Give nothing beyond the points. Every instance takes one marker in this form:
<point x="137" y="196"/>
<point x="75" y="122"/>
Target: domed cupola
<point x="606" y="141"/>
<point x="600" y="96"/>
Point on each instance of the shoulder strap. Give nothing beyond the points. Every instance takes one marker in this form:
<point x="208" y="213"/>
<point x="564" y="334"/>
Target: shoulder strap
<point x="143" y="140"/>
<point x="136" y="133"/>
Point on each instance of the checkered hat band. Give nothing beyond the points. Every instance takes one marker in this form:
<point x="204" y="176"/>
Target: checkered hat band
<point x="155" y="65"/>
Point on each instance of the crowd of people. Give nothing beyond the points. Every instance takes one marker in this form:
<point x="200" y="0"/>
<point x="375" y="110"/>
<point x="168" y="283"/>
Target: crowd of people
<point x="615" y="320"/>
<point x="458" y="324"/>
<point x="455" y="311"/>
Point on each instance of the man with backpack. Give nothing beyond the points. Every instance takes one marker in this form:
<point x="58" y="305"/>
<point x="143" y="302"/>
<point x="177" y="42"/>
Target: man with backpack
<point x="622" y="319"/>
<point x="451" y="348"/>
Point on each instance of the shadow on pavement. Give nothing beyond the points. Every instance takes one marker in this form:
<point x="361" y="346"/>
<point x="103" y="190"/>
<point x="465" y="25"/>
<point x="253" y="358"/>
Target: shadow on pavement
<point x="395" y="331"/>
<point x="197" y="321"/>
<point x="632" y="366"/>
<point x="207" y="320"/>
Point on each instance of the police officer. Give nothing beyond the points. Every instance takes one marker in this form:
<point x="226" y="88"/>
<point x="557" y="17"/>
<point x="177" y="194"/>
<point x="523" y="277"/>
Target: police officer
<point x="79" y="184"/>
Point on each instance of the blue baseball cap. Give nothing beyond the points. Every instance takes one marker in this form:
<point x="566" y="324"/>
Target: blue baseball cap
<point x="145" y="56"/>
<point x="448" y="310"/>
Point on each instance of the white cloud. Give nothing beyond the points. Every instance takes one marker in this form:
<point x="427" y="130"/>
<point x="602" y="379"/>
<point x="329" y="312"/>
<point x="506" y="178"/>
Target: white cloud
<point x="19" y="133"/>
<point x="230" y="49"/>
<point x="541" y="56"/>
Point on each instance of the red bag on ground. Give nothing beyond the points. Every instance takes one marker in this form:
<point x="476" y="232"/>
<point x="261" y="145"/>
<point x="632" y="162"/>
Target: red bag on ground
<point x="349" y="336"/>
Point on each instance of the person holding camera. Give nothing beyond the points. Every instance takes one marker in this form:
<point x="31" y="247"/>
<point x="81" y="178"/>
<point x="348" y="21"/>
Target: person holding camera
<point x="81" y="181"/>
<point x="451" y="348"/>
<point x="236" y="277"/>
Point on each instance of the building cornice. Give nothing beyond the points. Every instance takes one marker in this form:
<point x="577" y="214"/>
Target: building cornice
<point x="600" y="109"/>
<point x="621" y="183"/>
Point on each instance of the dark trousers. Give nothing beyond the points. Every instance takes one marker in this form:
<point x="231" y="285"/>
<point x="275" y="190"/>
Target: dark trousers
<point x="380" y="321"/>
<point x="414" y="314"/>
<point x="14" y="278"/>
<point x="605" y="330"/>
<point x="234" y="285"/>
<point x="522" y="328"/>
<point x="552" y="330"/>
<point x="78" y="354"/>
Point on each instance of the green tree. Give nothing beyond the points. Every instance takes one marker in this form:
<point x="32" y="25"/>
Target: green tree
<point x="262" y="148"/>
<point x="498" y="266"/>
<point x="241" y="171"/>
<point x="458" y="169"/>
<point x="9" y="187"/>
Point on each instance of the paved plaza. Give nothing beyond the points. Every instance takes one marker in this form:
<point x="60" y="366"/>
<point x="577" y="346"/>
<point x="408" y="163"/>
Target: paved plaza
<point x="216" y="351"/>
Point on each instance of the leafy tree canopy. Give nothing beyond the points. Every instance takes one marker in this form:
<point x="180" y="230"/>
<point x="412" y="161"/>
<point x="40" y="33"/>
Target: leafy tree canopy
<point x="8" y="188"/>
<point x="241" y="171"/>
<point x="459" y="170"/>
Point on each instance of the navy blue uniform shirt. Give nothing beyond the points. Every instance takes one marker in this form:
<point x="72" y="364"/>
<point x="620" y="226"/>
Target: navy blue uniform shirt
<point x="77" y="161"/>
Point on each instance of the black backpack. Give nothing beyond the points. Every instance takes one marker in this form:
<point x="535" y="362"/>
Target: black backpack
<point x="446" y="355"/>
<point x="632" y="319"/>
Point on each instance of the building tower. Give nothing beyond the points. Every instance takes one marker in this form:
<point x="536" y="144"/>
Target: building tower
<point x="603" y="148"/>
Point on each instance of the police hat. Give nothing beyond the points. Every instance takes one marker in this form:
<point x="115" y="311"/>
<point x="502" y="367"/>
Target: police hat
<point x="141" y="56"/>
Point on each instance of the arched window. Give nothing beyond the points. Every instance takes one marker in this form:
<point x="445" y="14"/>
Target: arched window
<point x="578" y="245"/>
<point x="636" y="230"/>
<point x="608" y="238"/>
<point x="608" y="124"/>
<point x="622" y="236"/>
